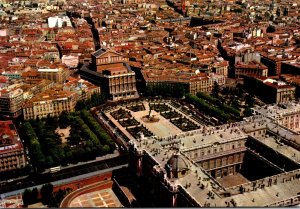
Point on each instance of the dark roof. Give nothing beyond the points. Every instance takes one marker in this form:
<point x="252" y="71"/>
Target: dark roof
<point x="178" y="163"/>
<point x="99" y="52"/>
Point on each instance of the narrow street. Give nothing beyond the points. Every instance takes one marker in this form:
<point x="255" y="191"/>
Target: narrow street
<point x="95" y="33"/>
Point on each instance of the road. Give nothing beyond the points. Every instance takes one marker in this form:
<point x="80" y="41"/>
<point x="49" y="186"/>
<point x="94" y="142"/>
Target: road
<point x="40" y="179"/>
<point x="65" y="181"/>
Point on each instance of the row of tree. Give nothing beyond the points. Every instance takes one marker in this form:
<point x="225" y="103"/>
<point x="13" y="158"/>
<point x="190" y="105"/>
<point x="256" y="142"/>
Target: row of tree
<point x="98" y="130"/>
<point x="202" y="105"/>
<point x="215" y="101"/>
<point x="51" y="145"/>
<point x="175" y="90"/>
<point x="36" y="155"/>
<point x="45" y="195"/>
<point x="95" y="100"/>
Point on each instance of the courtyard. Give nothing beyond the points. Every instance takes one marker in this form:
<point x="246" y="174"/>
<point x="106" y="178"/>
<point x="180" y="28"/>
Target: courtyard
<point x="102" y="198"/>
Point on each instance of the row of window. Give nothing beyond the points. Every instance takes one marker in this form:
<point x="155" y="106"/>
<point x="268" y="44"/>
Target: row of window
<point x="9" y="159"/>
<point x="9" y="167"/>
<point x="109" y="59"/>
<point x="258" y="133"/>
<point x="116" y="89"/>
<point x="213" y="150"/>
<point x="29" y="111"/>
<point x="51" y="107"/>
<point x="124" y="95"/>
<point x="224" y="172"/>
<point x="216" y="163"/>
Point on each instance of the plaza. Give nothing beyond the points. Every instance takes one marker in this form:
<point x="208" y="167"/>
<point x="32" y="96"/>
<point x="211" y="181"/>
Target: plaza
<point x="162" y="127"/>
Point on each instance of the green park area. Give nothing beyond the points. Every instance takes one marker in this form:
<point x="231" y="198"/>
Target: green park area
<point x="70" y="138"/>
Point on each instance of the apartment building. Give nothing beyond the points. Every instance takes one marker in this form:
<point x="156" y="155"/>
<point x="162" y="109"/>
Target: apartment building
<point x="192" y="81"/>
<point x="270" y="90"/>
<point x="50" y="102"/>
<point x="58" y="75"/>
<point x="252" y="68"/>
<point x="11" y="100"/>
<point x="83" y="88"/>
<point x="12" y="155"/>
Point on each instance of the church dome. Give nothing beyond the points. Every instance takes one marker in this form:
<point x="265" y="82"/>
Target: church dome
<point x="178" y="165"/>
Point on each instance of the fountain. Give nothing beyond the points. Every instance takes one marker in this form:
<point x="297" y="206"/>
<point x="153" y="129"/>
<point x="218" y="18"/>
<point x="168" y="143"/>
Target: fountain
<point x="150" y="118"/>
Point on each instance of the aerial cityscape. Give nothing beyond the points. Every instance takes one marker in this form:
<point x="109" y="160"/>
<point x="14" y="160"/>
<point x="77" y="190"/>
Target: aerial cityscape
<point x="139" y="103"/>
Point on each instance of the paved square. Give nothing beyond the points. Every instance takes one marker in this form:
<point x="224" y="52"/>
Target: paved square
<point x="232" y="180"/>
<point x="103" y="198"/>
<point x="161" y="128"/>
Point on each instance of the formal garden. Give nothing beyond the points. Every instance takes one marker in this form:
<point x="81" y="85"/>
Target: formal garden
<point x="128" y="122"/>
<point x="121" y="114"/>
<point x="171" y="114"/>
<point x="136" y="107"/>
<point x="137" y="130"/>
<point x="159" y="107"/>
<point x="86" y="139"/>
<point x="184" y="124"/>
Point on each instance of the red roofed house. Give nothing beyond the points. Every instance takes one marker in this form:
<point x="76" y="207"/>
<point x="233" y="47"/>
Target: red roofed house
<point x="12" y="155"/>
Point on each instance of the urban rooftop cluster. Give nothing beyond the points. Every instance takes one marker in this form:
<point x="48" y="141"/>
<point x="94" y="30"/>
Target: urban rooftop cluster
<point x="198" y="65"/>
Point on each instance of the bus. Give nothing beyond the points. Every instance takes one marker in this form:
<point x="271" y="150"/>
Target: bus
<point x="55" y="169"/>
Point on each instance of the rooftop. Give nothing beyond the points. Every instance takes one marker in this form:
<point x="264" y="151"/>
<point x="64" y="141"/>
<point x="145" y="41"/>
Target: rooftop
<point x="278" y="111"/>
<point x="9" y="139"/>
<point x="48" y="95"/>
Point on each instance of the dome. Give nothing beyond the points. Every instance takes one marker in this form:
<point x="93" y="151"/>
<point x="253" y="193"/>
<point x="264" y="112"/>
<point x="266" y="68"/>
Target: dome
<point x="178" y="163"/>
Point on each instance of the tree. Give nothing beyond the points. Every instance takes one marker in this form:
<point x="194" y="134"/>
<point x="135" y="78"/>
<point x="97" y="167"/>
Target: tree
<point x="250" y="100"/>
<point x="27" y="197"/>
<point x="64" y="119"/>
<point x="106" y="149"/>
<point x="176" y="90"/>
<point x="49" y="161"/>
<point x="235" y="103"/>
<point x="271" y="29"/>
<point x="216" y="89"/>
<point x="59" y="196"/>
<point x="47" y="194"/>
<point x="52" y="121"/>
<point x="34" y="195"/>
<point x="36" y="154"/>
<point x="95" y="100"/>
<point x="247" y="112"/>
<point x="80" y="105"/>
